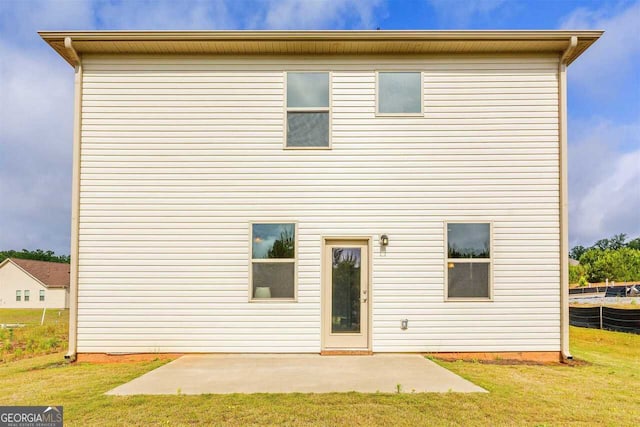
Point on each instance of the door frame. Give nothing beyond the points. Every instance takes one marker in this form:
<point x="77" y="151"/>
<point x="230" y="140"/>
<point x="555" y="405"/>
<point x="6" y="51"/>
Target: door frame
<point x="325" y="281"/>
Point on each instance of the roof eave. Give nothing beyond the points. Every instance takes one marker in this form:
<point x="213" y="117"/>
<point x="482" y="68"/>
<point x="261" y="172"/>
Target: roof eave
<point x="56" y="39"/>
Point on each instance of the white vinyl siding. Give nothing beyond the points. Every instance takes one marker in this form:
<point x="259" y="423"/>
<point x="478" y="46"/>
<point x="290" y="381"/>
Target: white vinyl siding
<point x="179" y="154"/>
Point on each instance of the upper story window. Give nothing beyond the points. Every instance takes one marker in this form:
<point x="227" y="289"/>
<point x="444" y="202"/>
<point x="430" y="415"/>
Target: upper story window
<point x="273" y="261"/>
<point x="399" y="93"/>
<point x="308" y="121"/>
<point x="468" y="261"/>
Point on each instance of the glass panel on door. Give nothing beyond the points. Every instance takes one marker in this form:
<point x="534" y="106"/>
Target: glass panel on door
<point x="345" y="290"/>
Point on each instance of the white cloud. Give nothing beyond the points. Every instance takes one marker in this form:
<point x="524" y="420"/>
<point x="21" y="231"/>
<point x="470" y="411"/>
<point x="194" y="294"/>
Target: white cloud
<point x="319" y="14"/>
<point x="35" y="150"/>
<point x="229" y="14"/>
<point x="165" y="15"/>
<point x="604" y="182"/>
<point x="36" y="103"/>
<point x="612" y="58"/>
<point x="24" y="18"/>
<point x="461" y="13"/>
<point x="604" y="144"/>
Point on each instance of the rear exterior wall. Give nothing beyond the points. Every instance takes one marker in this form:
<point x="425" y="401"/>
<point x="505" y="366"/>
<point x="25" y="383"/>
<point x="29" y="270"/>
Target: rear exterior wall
<point x="179" y="154"/>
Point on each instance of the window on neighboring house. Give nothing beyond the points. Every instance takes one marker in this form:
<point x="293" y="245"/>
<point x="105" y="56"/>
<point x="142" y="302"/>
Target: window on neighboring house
<point x="26" y="295"/>
<point x="273" y="261"/>
<point x="468" y="261"/>
<point x="399" y="93"/>
<point x="41" y="294"/>
<point x="308" y="121"/>
<point x="18" y="296"/>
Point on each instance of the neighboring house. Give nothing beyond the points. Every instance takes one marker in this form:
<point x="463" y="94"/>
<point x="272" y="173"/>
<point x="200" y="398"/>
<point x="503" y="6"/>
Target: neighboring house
<point x="26" y="283"/>
<point x="330" y="191"/>
<point x="573" y="262"/>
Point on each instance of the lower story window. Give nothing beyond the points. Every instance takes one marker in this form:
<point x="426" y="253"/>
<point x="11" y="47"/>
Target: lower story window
<point x="41" y="294"/>
<point x="468" y="280"/>
<point x="18" y="295"/>
<point x="273" y="261"/>
<point x="468" y="268"/>
<point x="26" y="295"/>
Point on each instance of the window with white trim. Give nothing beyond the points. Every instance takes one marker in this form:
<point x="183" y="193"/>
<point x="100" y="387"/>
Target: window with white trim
<point x="41" y="294"/>
<point x="18" y="296"/>
<point x="468" y="261"/>
<point x="308" y="118"/>
<point x="26" y="295"/>
<point x="399" y="93"/>
<point x="273" y="261"/>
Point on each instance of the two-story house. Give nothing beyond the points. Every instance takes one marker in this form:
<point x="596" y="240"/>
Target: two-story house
<point x="320" y="191"/>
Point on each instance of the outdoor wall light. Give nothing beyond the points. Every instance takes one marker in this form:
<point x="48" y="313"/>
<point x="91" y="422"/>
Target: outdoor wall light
<point x="384" y="240"/>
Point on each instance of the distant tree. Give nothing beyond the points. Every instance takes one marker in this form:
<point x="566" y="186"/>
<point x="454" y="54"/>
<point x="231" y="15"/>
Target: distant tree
<point x="576" y="272"/>
<point x="602" y="244"/>
<point x="576" y="252"/>
<point x="573" y="274"/>
<point x="634" y="244"/>
<point x="617" y="241"/>
<point x="621" y="265"/>
<point x="38" y="255"/>
<point x="614" y="243"/>
<point x="589" y="260"/>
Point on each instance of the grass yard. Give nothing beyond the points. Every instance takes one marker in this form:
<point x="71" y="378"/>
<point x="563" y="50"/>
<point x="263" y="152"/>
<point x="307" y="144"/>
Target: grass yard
<point x="32" y="316"/>
<point x="32" y="339"/>
<point x="602" y="390"/>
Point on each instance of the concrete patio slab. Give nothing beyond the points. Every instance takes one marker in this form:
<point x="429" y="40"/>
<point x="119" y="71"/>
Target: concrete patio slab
<point x="297" y="373"/>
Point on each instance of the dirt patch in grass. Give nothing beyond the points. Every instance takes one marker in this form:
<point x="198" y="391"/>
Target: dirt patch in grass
<point x="576" y="362"/>
<point x="494" y="361"/>
<point x="513" y="362"/>
<point x="52" y="365"/>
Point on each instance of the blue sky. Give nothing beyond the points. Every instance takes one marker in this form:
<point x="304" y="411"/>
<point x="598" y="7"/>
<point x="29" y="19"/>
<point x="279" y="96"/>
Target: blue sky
<point x="36" y="92"/>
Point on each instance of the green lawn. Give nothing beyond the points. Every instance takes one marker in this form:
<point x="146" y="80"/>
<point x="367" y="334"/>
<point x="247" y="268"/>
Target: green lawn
<point x="31" y="316"/>
<point x="32" y="339"/>
<point x="603" y="390"/>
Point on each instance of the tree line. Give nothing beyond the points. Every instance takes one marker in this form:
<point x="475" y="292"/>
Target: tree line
<point x="615" y="259"/>
<point x="38" y="255"/>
